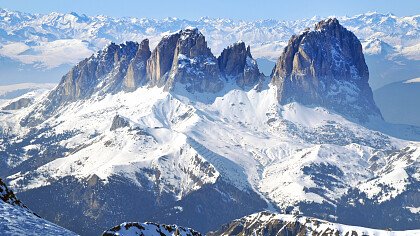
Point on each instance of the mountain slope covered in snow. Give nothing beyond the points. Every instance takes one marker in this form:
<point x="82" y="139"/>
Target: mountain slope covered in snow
<point x="180" y="135"/>
<point x="17" y="219"/>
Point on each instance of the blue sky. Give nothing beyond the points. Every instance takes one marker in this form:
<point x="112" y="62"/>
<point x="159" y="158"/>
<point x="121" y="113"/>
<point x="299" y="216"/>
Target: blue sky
<point x="235" y="9"/>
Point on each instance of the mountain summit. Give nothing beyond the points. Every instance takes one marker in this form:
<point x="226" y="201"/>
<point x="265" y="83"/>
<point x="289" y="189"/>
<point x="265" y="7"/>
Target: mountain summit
<point x="326" y="67"/>
<point x="180" y="58"/>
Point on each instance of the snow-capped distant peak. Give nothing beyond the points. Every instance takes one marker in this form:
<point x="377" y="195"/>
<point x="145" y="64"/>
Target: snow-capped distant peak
<point x="416" y="80"/>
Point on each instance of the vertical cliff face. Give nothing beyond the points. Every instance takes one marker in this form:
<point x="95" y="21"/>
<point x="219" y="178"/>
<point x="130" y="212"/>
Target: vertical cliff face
<point x="136" y="72"/>
<point x="236" y="62"/>
<point x="326" y="67"/>
<point x="160" y="62"/>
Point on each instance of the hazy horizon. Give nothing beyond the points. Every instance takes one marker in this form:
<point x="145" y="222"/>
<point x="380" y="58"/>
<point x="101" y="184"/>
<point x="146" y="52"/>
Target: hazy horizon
<point x="192" y="10"/>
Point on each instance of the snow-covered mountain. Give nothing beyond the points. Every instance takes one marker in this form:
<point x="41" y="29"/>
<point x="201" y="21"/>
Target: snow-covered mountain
<point x="17" y="219"/>
<point x="267" y="224"/>
<point x="179" y="135"/>
<point x="50" y="41"/>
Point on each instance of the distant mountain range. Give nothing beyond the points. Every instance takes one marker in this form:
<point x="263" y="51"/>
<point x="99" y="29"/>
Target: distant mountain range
<point x="54" y="42"/>
<point x="175" y="133"/>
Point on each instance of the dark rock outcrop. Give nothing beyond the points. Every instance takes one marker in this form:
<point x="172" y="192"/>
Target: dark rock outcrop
<point x="7" y="196"/>
<point x="326" y="67"/>
<point x="119" y="122"/>
<point x="18" y="104"/>
<point x="103" y="72"/>
<point x="236" y="62"/>
<point x="149" y="229"/>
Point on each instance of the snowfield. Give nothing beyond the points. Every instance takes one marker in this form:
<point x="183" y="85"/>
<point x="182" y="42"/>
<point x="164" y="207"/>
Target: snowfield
<point x="242" y="136"/>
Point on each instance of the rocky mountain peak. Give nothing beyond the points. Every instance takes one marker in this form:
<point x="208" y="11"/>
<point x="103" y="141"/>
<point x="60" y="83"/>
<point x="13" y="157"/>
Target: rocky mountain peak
<point x="103" y="72"/>
<point x="326" y="67"/>
<point x="91" y="74"/>
<point x="182" y="58"/>
<point x="330" y="23"/>
<point x="236" y="61"/>
<point x="192" y="43"/>
<point x="194" y="65"/>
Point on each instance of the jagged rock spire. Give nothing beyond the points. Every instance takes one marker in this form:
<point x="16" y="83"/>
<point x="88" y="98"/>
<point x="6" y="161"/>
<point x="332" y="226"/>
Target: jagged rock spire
<point x="236" y="61"/>
<point x="194" y="65"/>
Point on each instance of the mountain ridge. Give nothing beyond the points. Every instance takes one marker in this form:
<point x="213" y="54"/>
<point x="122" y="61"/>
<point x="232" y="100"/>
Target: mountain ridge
<point x="66" y="32"/>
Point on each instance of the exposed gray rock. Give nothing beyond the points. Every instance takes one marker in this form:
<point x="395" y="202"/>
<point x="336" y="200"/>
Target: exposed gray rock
<point x="18" y="104"/>
<point x="160" y="63"/>
<point x="326" y="67"/>
<point x="136" y="72"/>
<point x="101" y="73"/>
<point x="181" y="58"/>
<point x="236" y="62"/>
<point x="119" y="122"/>
<point x="194" y="65"/>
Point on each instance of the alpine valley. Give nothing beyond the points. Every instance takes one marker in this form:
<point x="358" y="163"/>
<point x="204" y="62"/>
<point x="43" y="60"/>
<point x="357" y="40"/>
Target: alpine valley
<point x="176" y="135"/>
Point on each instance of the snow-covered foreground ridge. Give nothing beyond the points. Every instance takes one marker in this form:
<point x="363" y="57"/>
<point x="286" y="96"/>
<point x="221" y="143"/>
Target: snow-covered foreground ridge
<point x="17" y="219"/>
<point x="268" y="224"/>
<point x="258" y="224"/>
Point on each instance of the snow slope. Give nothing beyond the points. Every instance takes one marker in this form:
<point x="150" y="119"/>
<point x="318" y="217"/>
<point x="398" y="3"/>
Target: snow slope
<point x="16" y="219"/>
<point x="288" y="154"/>
<point x="19" y="221"/>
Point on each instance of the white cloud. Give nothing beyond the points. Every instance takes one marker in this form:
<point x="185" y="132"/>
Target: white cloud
<point x="48" y="54"/>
